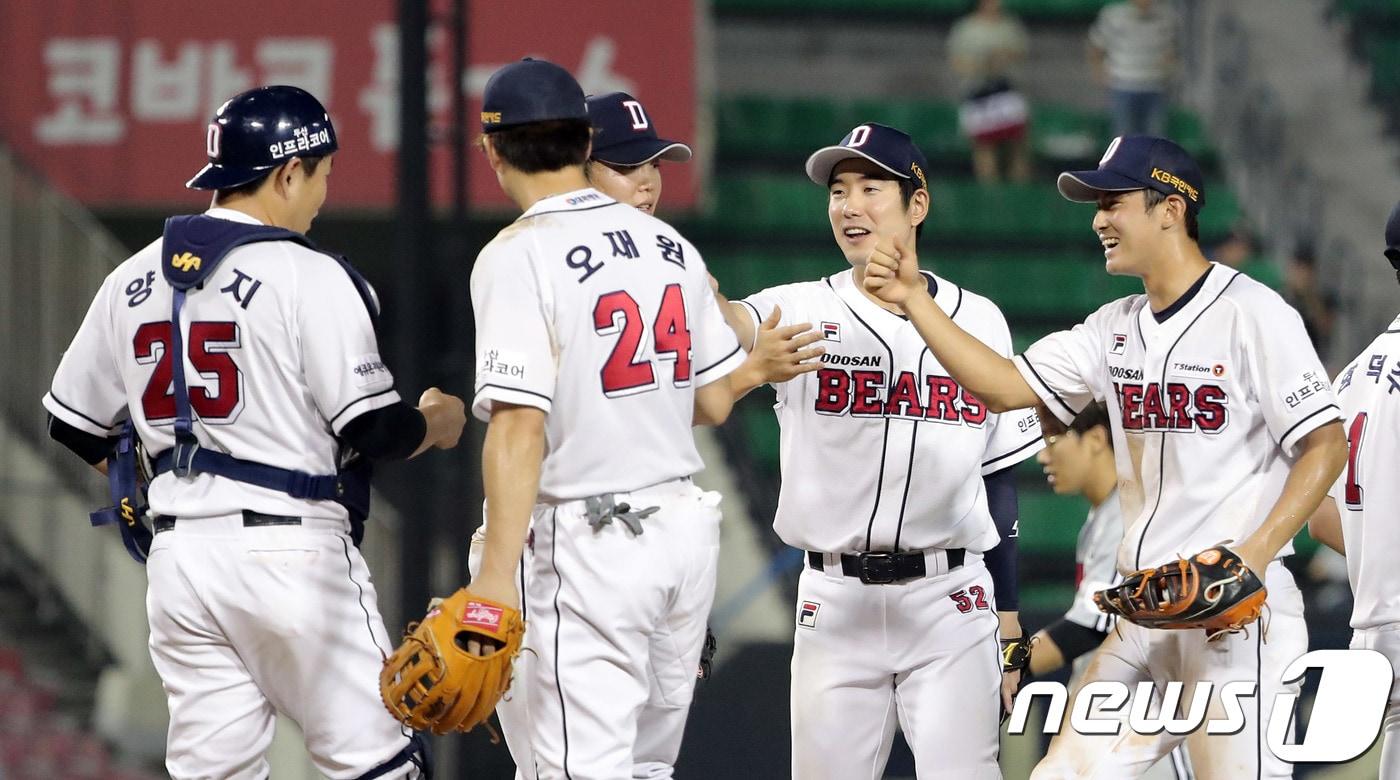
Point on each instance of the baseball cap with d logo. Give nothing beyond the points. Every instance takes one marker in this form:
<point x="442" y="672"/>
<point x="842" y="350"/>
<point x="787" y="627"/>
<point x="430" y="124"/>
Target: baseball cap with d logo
<point x="1138" y="162"/>
<point x="885" y="146"/>
<point x="624" y="135"/>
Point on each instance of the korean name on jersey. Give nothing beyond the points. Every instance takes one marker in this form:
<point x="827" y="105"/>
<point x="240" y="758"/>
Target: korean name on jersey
<point x="602" y="316"/>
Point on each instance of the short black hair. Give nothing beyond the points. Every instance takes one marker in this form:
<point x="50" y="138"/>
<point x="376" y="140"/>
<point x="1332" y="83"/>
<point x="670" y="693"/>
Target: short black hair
<point x="1095" y="415"/>
<point x="309" y="163"/>
<point x="907" y="188"/>
<point x="544" y="146"/>
<point x="1151" y="198"/>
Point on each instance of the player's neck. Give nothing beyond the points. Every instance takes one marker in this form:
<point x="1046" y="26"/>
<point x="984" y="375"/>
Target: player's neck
<point x="1179" y="266"/>
<point x="250" y="205"/>
<point x="1101" y="483"/>
<point x="527" y="189"/>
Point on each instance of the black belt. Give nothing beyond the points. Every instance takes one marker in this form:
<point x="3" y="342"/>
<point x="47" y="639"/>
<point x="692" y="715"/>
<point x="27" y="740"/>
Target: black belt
<point x="882" y="568"/>
<point x="251" y="519"/>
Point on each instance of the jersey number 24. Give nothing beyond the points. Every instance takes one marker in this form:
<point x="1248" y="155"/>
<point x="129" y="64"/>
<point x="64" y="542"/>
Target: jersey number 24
<point x="209" y="344"/>
<point x="626" y="372"/>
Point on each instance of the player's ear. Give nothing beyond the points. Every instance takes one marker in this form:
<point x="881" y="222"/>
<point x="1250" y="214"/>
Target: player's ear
<point x="918" y="207"/>
<point x="493" y="158"/>
<point x="285" y="177"/>
<point x="1173" y="211"/>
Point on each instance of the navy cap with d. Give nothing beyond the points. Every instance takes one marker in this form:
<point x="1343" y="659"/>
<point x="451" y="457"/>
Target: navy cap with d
<point x="1138" y="162"/>
<point x="260" y="129"/>
<point x="1392" y="237"/>
<point x="623" y="133"/>
<point x="530" y="91"/>
<point x="885" y="146"/>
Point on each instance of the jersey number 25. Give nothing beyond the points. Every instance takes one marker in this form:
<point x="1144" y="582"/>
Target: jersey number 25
<point x="209" y="344"/>
<point x="626" y="372"/>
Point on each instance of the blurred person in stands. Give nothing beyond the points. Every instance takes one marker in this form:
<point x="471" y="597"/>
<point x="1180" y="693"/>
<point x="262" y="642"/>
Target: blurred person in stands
<point x="1240" y="251"/>
<point x="984" y="48"/>
<point x="1132" y="49"/>
<point x="1303" y="291"/>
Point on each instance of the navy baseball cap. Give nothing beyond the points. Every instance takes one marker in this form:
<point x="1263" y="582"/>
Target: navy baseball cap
<point x="1392" y="237"/>
<point x="885" y="146"/>
<point x="530" y="91"/>
<point x="1138" y="162"/>
<point x="623" y="133"/>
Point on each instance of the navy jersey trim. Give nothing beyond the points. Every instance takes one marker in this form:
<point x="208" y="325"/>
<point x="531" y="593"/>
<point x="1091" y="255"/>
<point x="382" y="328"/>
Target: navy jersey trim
<point x="565" y="211"/>
<point x="350" y="574"/>
<point x="60" y="402"/>
<point x="885" y="435"/>
<point x="362" y="398"/>
<point x="1259" y="706"/>
<point x="1301" y="422"/>
<point x="711" y="366"/>
<point x="558" y="625"/>
<point x="1162" y="436"/>
<point x="1006" y="455"/>
<point x="1047" y="386"/>
<point x="1180" y="303"/>
<point x="514" y="390"/>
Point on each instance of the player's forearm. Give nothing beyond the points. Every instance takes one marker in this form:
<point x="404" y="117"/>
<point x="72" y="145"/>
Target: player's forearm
<point x="1323" y="454"/>
<point x="510" y="467"/>
<point x="991" y="377"/>
<point x="714" y="401"/>
<point x="1325" y="525"/>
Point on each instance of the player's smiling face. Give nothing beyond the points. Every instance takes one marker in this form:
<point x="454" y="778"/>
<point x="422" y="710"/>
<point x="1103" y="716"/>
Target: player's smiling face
<point x="864" y="205"/>
<point x="1126" y="230"/>
<point x="638" y="186"/>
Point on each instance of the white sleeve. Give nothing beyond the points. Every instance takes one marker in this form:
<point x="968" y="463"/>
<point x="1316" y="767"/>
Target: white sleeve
<point x="1014" y="435"/>
<point x="1060" y="367"/>
<point x="761" y="304"/>
<point x="716" y="349"/>
<point x="515" y="355"/>
<point x="1288" y="378"/>
<point x="87" y="391"/>
<point x="339" y="350"/>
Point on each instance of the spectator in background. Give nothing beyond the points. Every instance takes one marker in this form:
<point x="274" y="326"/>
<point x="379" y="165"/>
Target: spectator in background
<point x="984" y="48"/>
<point x="1317" y="306"/>
<point x="1241" y="252"/>
<point x="1132" y="49"/>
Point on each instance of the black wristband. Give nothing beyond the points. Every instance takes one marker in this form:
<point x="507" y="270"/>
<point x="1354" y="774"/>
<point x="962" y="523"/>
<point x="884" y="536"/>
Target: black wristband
<point x="1073" y="639"/>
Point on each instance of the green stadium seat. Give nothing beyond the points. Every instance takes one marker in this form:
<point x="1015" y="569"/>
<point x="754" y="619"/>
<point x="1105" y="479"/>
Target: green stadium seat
<point x="1050" y="522"/>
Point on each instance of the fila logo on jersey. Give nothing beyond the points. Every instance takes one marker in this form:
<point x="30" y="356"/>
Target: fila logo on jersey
<point x="863" y="394"/>
<point x="185" y="262"/>
<point x="483" y="616"/>
<point x="1120" y="342"/>
<point x="807" y="614"/>
<point x="831" y="331"/>
<point x="1177" y="408"/>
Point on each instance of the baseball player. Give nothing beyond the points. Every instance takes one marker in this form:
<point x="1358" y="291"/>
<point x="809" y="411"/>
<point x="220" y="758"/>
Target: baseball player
<point x="245" y="360"/>
<point x="897" y="484"/>
<point x="1078" y="460"/>
<point x="624" y="164"/>
<point x="1224" y="427"/>
<point x="1359" y="521"/>
<point x="599" y="343"/>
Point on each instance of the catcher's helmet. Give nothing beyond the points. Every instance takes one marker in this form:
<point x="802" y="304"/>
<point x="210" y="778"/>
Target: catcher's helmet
<point x="259" y="130"/>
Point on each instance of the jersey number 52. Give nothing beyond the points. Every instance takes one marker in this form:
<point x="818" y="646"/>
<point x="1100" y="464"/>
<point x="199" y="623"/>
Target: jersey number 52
<point x="626" y="371"/>
<point x="209" y="344"/>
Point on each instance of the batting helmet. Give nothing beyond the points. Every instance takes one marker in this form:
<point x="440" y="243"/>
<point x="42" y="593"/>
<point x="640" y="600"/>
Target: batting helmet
<point x="259" y="130"/>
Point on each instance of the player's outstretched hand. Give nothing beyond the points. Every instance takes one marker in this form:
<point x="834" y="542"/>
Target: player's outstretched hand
<point x="446" y="415"/>
<point x="780" y="354"/>
<point x="892" y="272"/>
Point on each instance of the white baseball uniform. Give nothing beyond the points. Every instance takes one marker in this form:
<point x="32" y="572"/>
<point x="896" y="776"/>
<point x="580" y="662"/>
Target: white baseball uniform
<point x="280" y="355"/>
<point x="882" y="451"/>
<point x="602" y="316"/>
<point x="1367" y="494"/>
<point x="1095" y="563"/>
<point x="1208" y="400"/>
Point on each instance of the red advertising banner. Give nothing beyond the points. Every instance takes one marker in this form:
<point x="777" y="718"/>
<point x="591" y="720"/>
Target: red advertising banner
<point x="111" y="100"/>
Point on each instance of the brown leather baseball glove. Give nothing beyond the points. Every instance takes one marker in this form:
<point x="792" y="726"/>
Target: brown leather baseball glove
<point x="431" y="682"/>
<point x="1212" y="589"/>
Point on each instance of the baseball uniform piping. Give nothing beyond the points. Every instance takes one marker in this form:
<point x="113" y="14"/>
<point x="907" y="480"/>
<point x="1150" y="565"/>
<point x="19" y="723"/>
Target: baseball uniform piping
<point x="1298" y="424"/>
<point x="565" y="211"/>
<point x="1162" y="447"/>
<point x="558" y="624"/>
<point x="1047" y="386"/>
<point x="58" y="401"/>
<point x="361" y="399"/>
<point x="884" y="435"/>
<point x="360" y="600"/>
<point x="718" y="362"/>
